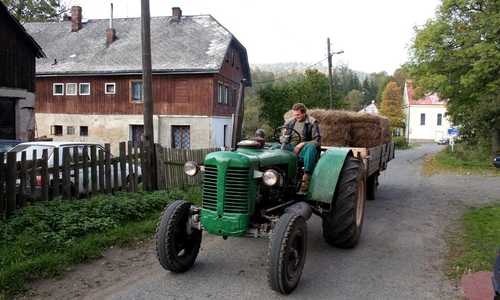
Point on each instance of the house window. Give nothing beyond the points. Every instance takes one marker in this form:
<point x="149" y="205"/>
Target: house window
<point x="71" y="89"/>
<point x="84" y="130"/>
<point x="137" y="131"/>
<point x="70" y="130"/>
<point x="440" y="120"/>
<point x="136" y="91"/>
<point x="58" y="89"/>
<point x="180" y="137"/>
<point x="84" y="88"/>
<point x="422" y="119"/>
<point x="221" y="93"/>
<point x="109" y="88"/>
<point x="232" y="58"/>
<point x="226" y="94"/>
<point x="56" y="130"/>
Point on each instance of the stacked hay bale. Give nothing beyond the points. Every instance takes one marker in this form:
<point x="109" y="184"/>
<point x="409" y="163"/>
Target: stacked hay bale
<point x="350" y="129"/>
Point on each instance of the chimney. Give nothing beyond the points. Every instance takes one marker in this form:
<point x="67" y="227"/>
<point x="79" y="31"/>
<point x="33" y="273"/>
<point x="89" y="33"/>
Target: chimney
<point x="76" y="18"/>
<point x="176" y="13"/>
<point x="110" y="32"/>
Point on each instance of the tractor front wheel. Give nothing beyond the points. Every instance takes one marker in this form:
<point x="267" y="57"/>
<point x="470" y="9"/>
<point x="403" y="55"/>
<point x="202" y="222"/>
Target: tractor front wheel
<point x="343" y="223"/>
<point x="287" y="253"/>
<point x="177" y="242"/>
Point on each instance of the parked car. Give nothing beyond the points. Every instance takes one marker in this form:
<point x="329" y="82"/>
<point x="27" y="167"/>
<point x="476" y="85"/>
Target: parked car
<point x="496" y="161"/>
<point x="28" y="147"/>
<point x="496" y="277"/>
<point x="6" y="145"/>
<point x="443" y="141"/>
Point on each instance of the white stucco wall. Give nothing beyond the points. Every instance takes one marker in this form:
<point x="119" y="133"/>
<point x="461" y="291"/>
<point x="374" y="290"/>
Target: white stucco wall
<point x="205" y="132"/>
<point x="429" y="132"/>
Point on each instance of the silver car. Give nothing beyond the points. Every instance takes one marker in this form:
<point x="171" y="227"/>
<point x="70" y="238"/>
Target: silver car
<point x="28" y="148"/>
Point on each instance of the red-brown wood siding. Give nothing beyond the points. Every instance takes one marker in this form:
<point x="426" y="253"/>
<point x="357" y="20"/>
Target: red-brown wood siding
<point x="17" y="57"/>
<point x="198" y="96"/>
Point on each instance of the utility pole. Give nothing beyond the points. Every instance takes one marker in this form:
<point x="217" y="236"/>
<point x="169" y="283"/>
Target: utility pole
<point x="147" y="84"/>
<point x="330" y="72"/>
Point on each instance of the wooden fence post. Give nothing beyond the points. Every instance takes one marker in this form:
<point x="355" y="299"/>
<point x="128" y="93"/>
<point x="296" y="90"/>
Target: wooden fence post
<point x="160" y="167"/>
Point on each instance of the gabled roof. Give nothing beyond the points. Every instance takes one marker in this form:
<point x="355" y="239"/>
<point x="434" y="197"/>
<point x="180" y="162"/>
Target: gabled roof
<point x="428" y="99"/>
<point x="190" y="44"/>
<point x="4" y="13"/>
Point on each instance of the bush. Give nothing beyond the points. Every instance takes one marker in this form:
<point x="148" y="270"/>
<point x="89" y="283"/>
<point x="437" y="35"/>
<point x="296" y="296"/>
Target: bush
<point x="400" y="142"/>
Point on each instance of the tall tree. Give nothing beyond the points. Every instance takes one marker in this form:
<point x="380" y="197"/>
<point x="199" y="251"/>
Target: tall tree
<point x="457" y="55"/>
<point x="36" y="10"/>
<point x="392" y="106"/>
<point x="356" y="100"/>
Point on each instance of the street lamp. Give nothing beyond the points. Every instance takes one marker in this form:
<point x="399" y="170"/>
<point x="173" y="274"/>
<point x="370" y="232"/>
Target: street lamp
<point x="330" y="70"/>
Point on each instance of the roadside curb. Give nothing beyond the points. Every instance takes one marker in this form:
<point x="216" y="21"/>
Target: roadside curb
<point x="478" y="286"/>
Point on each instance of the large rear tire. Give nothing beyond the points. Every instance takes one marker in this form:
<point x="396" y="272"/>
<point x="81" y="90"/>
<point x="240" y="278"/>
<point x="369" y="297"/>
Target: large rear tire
<point x="287" y="253"/>
<point x="343" y="223"/>
<point x="177" y="242"/>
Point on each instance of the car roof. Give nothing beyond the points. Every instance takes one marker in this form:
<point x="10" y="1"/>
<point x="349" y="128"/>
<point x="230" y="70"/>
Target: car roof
<point x="59" y="144"/>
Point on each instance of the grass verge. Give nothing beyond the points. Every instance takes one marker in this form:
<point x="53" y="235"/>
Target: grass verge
<point x="473" y="242"/>
<point x="47" y="239"/>
<point x="474" y="246"/>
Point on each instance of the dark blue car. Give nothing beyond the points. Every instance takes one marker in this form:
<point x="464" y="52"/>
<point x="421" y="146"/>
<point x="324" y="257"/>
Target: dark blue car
<point x="496" y="277"/>
<point x="6" y="145"/>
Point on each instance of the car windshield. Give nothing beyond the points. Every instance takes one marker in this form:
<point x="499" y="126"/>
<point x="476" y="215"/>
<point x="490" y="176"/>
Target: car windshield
<point x="29" y="151"/>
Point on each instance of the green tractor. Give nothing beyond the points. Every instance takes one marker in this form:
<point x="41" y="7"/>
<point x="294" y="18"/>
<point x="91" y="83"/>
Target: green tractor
<point x="254" y="191"/>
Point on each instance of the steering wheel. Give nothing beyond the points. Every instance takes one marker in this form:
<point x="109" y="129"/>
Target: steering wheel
<point x="284" y="134"/>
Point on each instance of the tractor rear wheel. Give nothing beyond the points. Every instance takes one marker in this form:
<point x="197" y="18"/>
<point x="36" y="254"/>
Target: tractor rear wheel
<point x="287" y="253"/>
<point x="343" y="223"/>
<point x="177" y="242"/>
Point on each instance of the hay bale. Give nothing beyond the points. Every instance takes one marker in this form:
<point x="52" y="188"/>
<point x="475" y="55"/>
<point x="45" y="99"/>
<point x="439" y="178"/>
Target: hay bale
<point x="350" y="129"/>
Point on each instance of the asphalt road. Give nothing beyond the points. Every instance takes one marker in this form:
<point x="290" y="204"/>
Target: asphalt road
<point x="399" y="255"/>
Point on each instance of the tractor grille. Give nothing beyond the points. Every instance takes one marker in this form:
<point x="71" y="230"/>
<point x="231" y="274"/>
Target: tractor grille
<point x="236" y="190"/>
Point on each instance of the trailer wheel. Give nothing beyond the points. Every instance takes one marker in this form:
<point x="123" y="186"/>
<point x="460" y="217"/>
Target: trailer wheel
<point x="177" y="243"/>
<point x="343" y="223"/>
<point x="371" y="186"/>
<point x="287" y="253"/>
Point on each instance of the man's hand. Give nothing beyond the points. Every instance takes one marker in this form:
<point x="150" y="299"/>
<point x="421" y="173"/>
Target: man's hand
<point x="297" y="148"/>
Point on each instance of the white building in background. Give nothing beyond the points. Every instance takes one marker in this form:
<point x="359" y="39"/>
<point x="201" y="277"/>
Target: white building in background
<point x="425" y="118"/>
<point x="370" y="109"/>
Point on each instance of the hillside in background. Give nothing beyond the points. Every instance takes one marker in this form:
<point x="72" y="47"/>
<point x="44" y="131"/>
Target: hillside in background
<point x="288" y="67"/>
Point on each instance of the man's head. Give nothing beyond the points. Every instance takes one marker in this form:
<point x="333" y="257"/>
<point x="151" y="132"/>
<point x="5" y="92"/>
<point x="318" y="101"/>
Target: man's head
<point x="299" y="111"/>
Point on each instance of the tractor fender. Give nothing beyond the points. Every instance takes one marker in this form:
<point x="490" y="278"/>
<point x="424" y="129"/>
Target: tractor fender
<point x="326" y="174"/>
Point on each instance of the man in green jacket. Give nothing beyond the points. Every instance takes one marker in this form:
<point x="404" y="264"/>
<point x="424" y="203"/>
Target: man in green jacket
<point x="310" y="145"/>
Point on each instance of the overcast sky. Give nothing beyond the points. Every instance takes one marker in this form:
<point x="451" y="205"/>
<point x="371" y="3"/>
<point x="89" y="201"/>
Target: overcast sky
<point x="374" y="35"/>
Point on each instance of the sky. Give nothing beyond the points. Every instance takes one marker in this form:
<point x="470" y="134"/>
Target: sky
<point x="374" y="35"/>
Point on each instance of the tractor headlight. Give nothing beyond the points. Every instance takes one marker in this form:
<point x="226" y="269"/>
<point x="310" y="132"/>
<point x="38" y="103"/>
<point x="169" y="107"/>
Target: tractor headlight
<point x="191" y="168"/>
<point x="270" y="177"/>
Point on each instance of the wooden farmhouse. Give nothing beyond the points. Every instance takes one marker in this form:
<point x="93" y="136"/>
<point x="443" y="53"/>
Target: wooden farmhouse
<point x="18" y="55"/>
<point x="90" y="86"/>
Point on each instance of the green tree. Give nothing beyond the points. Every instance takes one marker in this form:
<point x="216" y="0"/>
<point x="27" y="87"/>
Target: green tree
<point x="356" y="100"/>
<point x="36" y="10"/>
<point x="392" y="106"/>
<point x="457" y="55"/>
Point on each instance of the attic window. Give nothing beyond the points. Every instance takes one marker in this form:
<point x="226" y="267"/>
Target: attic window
<point x="136" y="93"/>
<point x="109" y="88"/>
<point x="71" y="89"/>
<point x="84" y="88"/>
<point x="232" y="58"/>
<point x="58" y="89"/>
